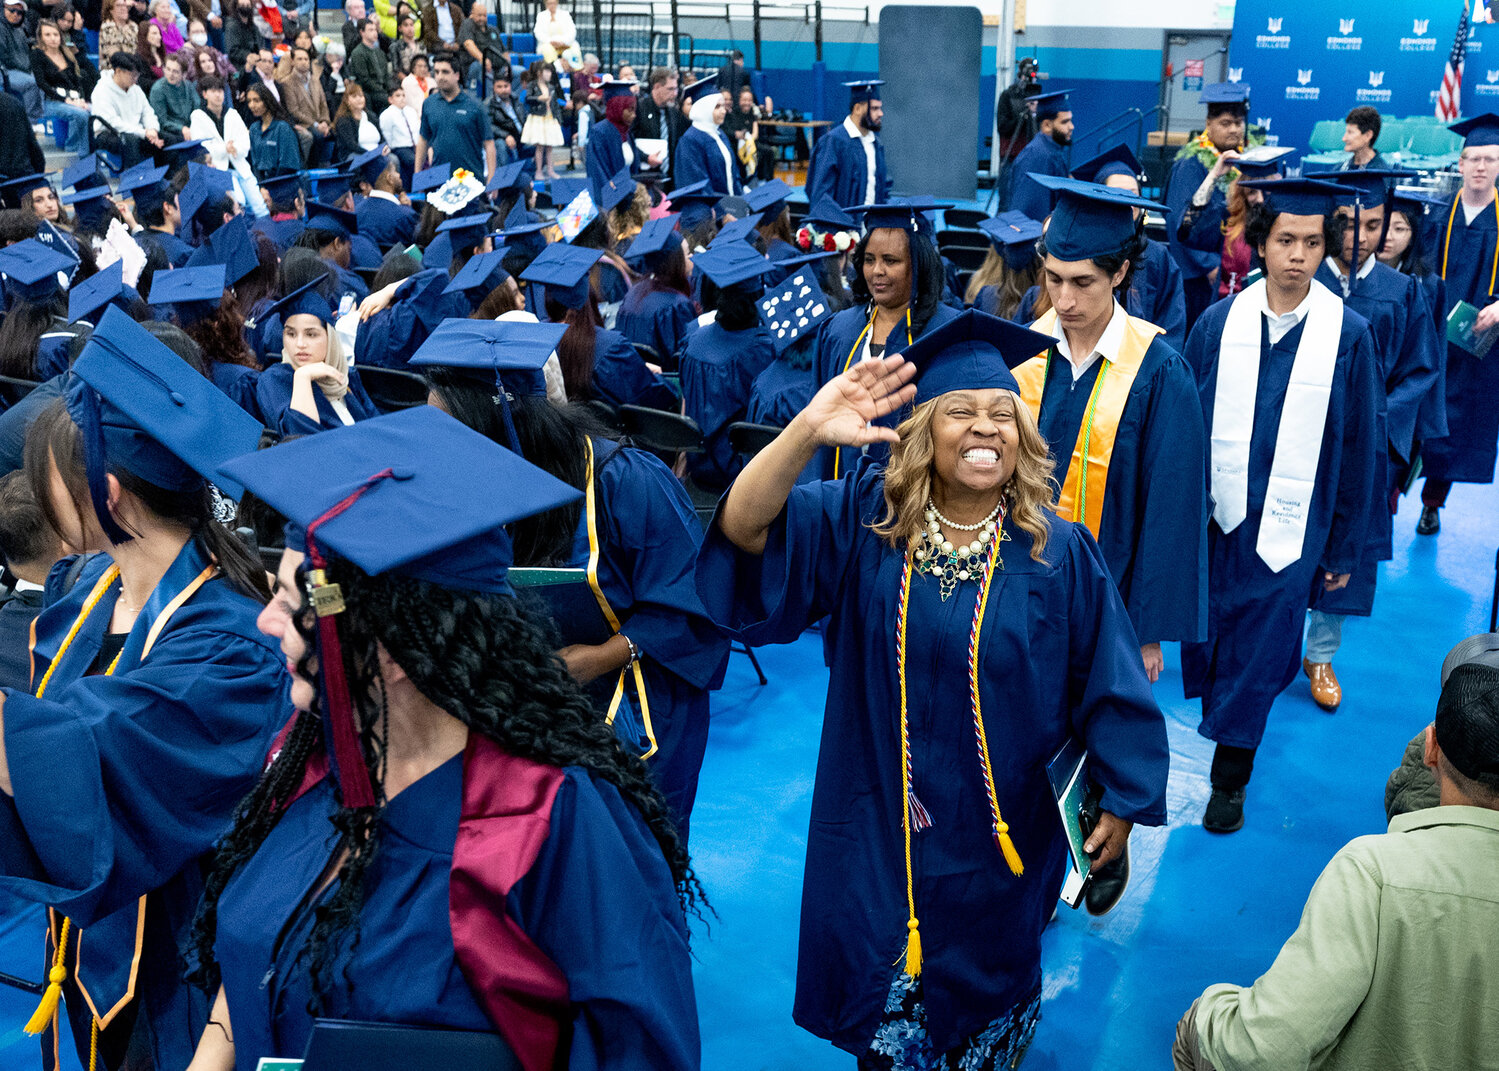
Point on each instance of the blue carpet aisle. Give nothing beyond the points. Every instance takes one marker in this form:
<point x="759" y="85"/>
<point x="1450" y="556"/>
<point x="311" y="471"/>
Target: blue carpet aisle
<point x="1201" y="909"/>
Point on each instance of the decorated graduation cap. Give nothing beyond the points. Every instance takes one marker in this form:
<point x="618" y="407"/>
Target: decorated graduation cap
<point x="863" y="90"/>
<point x="1052" y="104"/>
<point x="614" y="87"/>
<point x="15" y="192"/>
<point x="507" y="353"/>
<point x="430" y="178"/>
<point x="792" y="313"/>
<point x="305" y="300"/>
<point x="1090" y="220"/>
<point x="973" y="351"/>
<point x="141" y="408"/>
<point x="1220" y="95"/>
<point x="657" y="237"/>
<point x="85" y="171"/>
<point x="1295" y="197"/>
<point x="733" y="264"/>
<point x="283" y="189"/>
<point x="92" y="294"/>
<point x="90" y="205"/>
<point x="700" y="89"/>
<point x="457" y="193"/>
<point x="768" y="199"/>
<point x="563" y="270"/>
<point x="33" y="270"/>
<point x="193" y="292"/>
<point x="617" y="190"/>
<point x="1014" y="234"/>
<point x="393" y="494"/>
<point x="481" y="274"/>
<point x="1479" y="130"/>
<point x="335" y="221"/>
<point x="233" y="246"/>
<point x="1116" y="161"/>
<point x="1263" y="161"/>
<point x="372" y="164"/>
<point x="512" y="176"/>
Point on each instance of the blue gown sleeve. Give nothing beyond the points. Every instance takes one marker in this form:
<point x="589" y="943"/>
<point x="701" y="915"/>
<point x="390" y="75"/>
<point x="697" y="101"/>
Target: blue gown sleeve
<point x="600" y="902"/>
<point x="689" y="162"/>
<point x="1416" y="370"/>
<point x="1170" y="300"/>
<point x="673" y="317"/>
<point x="1025" y="312"/>
<point x="1111" y="707"/>
<point x="621" y="377"/>
<point x="821" y="176"/>
<point x="1204" y="232"/>
<point x="1359" y="491"/>
<point x="121" y="781"/>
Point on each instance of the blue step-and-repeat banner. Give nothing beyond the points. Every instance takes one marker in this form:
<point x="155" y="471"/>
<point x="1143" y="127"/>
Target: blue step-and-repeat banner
<point x="1316" y="59"/>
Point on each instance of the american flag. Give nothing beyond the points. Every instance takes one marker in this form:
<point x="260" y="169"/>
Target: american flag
<point x="1450" y="96"/>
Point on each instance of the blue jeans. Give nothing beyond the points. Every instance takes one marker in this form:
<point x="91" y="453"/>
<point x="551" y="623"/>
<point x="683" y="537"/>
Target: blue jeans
<point x="23" y="85"/>
<point x="1324" y="635"/>
<point x="77" y="122"/>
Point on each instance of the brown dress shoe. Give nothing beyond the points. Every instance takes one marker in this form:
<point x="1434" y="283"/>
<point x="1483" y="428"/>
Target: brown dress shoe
<point x="1325" y="689"/>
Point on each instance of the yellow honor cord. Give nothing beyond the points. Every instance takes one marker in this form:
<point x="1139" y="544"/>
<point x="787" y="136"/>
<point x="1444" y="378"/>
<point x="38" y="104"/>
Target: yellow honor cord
<point x="1001" y="827"/>
<point x="848" y="362"/>
<point x="913" y="933"/>
<point x="1447" y="241"/>
<point x="46" y="1012"/>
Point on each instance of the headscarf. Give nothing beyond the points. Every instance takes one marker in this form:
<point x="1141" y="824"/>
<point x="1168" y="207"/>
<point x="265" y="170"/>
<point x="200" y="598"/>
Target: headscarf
<point x="614" y="111"/>
<point x="702" y="119"/>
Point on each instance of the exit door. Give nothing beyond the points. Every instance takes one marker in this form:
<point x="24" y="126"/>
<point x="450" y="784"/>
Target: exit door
<point x="1190" y="60"/>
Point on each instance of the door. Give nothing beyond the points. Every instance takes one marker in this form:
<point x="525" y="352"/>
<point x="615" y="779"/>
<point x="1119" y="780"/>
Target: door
<point x="1190" y="60"/>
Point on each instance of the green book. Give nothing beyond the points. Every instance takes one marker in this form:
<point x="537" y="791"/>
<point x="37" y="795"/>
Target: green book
<point x="1069" y="786"/>
<point x="1461" y="332"/>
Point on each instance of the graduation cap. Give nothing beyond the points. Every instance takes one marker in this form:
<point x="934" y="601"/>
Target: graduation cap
<point x="619" y="189"/>
<point x="657" y="236"/>
<point x="768" y="199"/>
<point x="233" y="246"/>
<point x="15" y="192"/>
<point x="282" y="189"/>
<point x="141" y="408"/>
<point x="182" y="151"/>
<point x="1116" y="161"/>
<point x="430" y="178"/>
<point x="863" y="89"/>
<point x="141" y="179"/>
<point x="1479" y="130"/>
<point x="563" y="270"/>
<point x="508" y="353"/>
<point x="829" y="216"/>
<point x="335" y="187"/>
<point x="1417" y="202"/>
<point x="1090" y="220"/>
<point x="465" y="232"/>
<point x="564" y="191"/>
<point x="372" y="164"/>
<point x="305" y="300"/>
<point x="1295" y="197"/>
<point x="85" y="171"/>
<point x="482" y="273"/>
<point x="219" y="183"/>
<point x="736" y="232"/>
<point x="974" y="351"/>
<point x="335" y="221"/>
<point x="792" y="313"/>
<point x="1050" y="105"/>
<point x="802" y="258"/>
<point x="700" y="89"/>
<point x="904" y="215"/>
<point x="194" y="292"/>
<point x="1263" y="161"/>
<point x="1371" y="185"/>
<point x="1014" y="234"/>
<point x="732" y="264"/>
<point x="98" y="290"/>
<point x="90" y="205"/>
<point x="192" y="197"/>
<point x="1226" y="93"/>
<point x="730" y="205"/>
<point x="457" y="193"/>
<point x="33" y="270"/>
<point x="512" y="176"/>
<point x="613" y="87"/>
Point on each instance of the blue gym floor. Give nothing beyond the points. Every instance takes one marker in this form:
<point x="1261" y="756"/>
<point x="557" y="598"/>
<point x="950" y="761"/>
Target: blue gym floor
<point x="1201" y="909"/>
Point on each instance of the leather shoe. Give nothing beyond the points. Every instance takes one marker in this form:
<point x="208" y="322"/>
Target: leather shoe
<point x="1225" y="811"/>
<point x="1107" y="883"/>
<point x="1430" y="522"/>
<point x="1326" y="691"/>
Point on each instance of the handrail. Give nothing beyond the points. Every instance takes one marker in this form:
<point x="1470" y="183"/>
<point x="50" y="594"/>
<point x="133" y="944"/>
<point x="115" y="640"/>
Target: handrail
<point x="1129" y="118"/>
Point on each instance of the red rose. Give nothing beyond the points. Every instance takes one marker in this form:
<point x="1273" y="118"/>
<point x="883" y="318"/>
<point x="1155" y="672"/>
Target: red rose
<point x="828" y="244"/>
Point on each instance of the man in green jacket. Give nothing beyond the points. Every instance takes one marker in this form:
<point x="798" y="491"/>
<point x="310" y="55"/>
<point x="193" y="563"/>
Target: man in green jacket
<point x="173" y="99"/>
<point x="1394" y="962"/>
<point x="371" y="69"/>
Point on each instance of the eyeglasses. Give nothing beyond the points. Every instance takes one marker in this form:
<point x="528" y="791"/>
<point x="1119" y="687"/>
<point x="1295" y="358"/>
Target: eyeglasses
<point x="1486" y="160"/>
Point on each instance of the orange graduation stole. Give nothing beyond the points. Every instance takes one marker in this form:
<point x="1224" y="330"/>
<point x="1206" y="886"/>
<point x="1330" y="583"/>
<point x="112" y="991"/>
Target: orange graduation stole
<point x="1087" y="475"/>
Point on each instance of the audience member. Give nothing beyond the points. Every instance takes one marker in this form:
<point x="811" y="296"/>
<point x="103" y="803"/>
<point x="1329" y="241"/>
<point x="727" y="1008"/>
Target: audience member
<point x="441" y="21"/>
<point x="354" y="131"/>
<point x="15" y="57"/>
<point x="66" y="82"/>
<point x="369" y="67"/>
<point x="504" y="118"/>
<point x="418" y="81"/>
<point x="479" y="46"/>
<point x="455" y="127"/>
<point x="130" y="128"/>
<point x="119" y="32"/>
<point x="405" y="47"/>
<point x="174" y="99"/>
<point x="302" y="95"/>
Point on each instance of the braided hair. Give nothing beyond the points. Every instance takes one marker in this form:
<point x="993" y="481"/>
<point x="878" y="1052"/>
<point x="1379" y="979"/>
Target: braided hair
<point x="478" y="657"/>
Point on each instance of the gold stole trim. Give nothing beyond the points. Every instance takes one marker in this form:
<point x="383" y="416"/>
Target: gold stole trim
<point x="611" y="617"/>
<point x="1087" y="477"/>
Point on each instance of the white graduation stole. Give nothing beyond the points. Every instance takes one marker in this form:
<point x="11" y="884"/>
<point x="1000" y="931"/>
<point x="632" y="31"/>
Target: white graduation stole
<point x="1298" y="443"/>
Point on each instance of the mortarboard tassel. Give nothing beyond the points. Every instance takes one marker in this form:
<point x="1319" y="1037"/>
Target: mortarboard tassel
<point x="46" y="1012"/>
<point x="96" y="463"/>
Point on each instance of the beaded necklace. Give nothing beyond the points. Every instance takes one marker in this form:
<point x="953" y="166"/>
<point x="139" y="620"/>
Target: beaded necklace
<point x="938" y="557"/>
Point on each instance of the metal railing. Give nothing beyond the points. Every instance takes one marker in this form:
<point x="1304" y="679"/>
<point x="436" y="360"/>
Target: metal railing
<point x="1130" y="118"/>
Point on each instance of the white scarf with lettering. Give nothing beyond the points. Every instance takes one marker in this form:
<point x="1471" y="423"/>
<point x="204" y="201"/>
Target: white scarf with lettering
<point x="1298" y="443"/>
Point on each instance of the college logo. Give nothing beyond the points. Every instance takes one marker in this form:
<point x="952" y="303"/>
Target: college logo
<point x="1419" y="42"/>
<point x="1303" y="77"/>
<point x="1263" y="124"/>
<point x="1419" y="27"/>
<point x="1376" y="79"/>
<point x="1347" y="42"/>
<point x="1235" y="74"/>
<point x="1490" y="86"/>
<point x="1303" y="90"/>
<point x="1273" y="39"/>
<point x="1373" y="95"/>
<point x="1274" y="25"/>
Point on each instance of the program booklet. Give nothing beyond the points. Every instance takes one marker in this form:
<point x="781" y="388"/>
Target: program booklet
<point x="1068" y="785"/>
<point x="570" y="601"/>
<point x="1461" y="332"/>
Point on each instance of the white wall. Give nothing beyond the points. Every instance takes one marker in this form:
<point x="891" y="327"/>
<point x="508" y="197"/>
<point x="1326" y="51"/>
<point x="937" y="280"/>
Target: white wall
<point x="1151" y="14"/>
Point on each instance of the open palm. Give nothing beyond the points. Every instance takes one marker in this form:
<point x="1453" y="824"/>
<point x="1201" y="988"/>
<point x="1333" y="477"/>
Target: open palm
<point x="843" y="411"/>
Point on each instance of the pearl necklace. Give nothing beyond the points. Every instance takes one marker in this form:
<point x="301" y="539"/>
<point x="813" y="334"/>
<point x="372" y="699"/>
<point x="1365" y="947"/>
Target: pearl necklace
<point x="936" y="556"/>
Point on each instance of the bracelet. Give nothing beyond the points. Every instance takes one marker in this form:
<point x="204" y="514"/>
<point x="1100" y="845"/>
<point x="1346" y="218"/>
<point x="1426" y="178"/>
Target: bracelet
<point x="634" y="651"/>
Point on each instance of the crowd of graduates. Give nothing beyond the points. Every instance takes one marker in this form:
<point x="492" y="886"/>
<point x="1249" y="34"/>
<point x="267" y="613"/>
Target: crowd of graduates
<point x="305" y="423"/>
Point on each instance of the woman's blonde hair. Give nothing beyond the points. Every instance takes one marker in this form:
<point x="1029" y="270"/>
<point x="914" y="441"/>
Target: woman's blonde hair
<point x="1029" y="492"/>
<point x="335" y="360"/>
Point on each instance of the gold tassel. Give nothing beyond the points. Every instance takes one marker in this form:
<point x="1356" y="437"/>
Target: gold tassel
<point x="1007" y="846"/>
<point x="913" y="949"/>
<point x="46" y="1011"/>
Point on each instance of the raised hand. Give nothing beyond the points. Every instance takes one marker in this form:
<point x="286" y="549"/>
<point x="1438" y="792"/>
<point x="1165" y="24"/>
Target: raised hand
<point x="842" y="412"/>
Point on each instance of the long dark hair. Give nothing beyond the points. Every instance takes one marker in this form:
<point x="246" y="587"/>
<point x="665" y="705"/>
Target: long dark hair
<point x="222" y="335"/>
<point x="575" y="351"/>
<point x="53" y="438"/>
<point x="926" y="265"/>
<point x="260" y="282"/>
<point x="21" y="331"/>
<point x="1417" y="260"/>
<point x="480" y="658"/>
<point x="667" y="270"/>
<point x="274" y="109"/>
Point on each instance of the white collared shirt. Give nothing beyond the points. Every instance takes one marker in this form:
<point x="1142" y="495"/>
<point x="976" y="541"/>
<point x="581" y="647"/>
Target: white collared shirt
<point x="1343" y="281"/>
<point x="384" y="196"/>
<point x="866" y="137"/>
<point x="1108" y="344"/>
<point x="1280" y="326"/>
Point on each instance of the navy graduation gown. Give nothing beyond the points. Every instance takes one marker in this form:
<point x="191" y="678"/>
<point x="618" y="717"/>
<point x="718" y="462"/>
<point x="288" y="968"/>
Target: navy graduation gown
<point x="597" y="901"/>
<point x="605" y="157"/>
<point x="1467" y="452"/>
<point x="656" y="317"/>
<point x="386" y="223"/>
<point x="1156" y="295"/>
<point x="1186" y="175"/>
<point x="779" y="393"/>
<point x="1153" y="533"/>
<point x="718" y="371"/>
<point x="439" y="253"/>
<point x="239" y="382"/>
<point x="363" y="253"/>
<point x="52" y="353"/>
<point x="173" y="248"/>
<point x="1255" y="616"/>
<point x="283" y="233"/>
<point x="620" y="376"/>
<point x="697" y="157"/>
<point x="273" y="396"/>
<point x="124" y="782"/>
<point x="1058" y="657"/>
<point x="839" y="169"/>
<point x="389" y="338"/>
<point x="778" y="249"/>
<point x="1044" y="156"/>
<point x="648" y="539"/>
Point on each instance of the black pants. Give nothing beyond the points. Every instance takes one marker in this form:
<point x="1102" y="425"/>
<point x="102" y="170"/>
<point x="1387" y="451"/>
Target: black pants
<point x="130" y="149"/>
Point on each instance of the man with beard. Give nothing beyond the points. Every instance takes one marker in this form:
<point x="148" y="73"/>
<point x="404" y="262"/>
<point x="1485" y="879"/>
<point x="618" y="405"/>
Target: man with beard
<point x="1045" y="155"/>
<point x="848" y="162"/>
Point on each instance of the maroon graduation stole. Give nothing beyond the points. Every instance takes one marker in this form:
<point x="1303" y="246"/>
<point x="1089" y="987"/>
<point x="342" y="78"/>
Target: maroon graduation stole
<point x="505" y="820"/>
